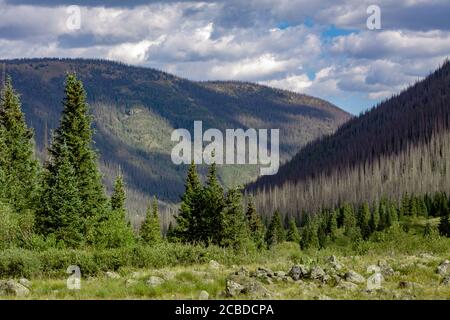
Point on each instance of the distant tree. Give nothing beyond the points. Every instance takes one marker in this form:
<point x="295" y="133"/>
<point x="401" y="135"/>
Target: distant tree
<point x="363" y="220"/>
<point x="19" y="169"/>
<point x="255" y="226"/>
<point x="212" y="205"/>
<point x="118" y="196"/>
<point x="444" y="225"/>
<point x="234" y="232"/>
<point x="275" y="231"/>
<point x="374" y="218"/>
<point x="333" y="225"/>
<point x="309" y="233"/>
<point x="150" y="231"/>
<point x="292" y="233"/>
<point x="113" y="230"/>
<point x="188" y="218"/>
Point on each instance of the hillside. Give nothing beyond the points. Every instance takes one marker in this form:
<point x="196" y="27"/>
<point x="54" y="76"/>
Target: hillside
<point x="402" y="145"/>
<point x="135" y="110"/>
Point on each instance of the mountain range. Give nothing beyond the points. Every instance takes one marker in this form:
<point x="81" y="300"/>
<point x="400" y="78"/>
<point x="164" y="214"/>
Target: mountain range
<point x="135" y="109"/>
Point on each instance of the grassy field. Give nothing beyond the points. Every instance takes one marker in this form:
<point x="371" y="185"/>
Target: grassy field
<point x="412" y="259"/>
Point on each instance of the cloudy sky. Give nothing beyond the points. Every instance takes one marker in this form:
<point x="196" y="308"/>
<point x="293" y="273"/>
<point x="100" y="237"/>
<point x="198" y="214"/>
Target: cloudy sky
<point x="323" y="47"/>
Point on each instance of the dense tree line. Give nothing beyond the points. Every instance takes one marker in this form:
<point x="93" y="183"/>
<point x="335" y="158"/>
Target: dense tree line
<point x="400" y="146"/>
<point x="64" y="203"/>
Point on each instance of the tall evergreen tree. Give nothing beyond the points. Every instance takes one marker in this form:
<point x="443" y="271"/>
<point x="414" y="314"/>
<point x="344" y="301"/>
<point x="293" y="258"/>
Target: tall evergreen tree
<point x="364" y="220"/>
<point x="19" y="169"/>
<point x="292" y="233"/>
<point x="188" y="218"/>
<point x="255" y="226"/>
<point x="234" y="232"/>
<point x="60" y="204"/>
<point x="275" y="231"/>
<point x="75" y="132"/>
<point x="150" y="231"/>
<point x="118" y="196"/>
<point x="212" y="205"/>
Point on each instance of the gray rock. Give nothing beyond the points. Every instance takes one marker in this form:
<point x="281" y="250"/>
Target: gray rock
<point x="112" y="275"/>
<point x="13" y="288"/>
<point x="444" y="268"/>
<point x="373" y="269"/>
<point x="242" y="272"/>
<point x="317" y="273"/>
<point x="345" y="285"/>
<point x="298" y="272"/>
<point x="25" y="282"/>
<point x="256" y="290"/>
<point x="262" y="272"/>
<point x="168" y="275"/>
<point x="155" y="281"/>
<point x="130" y="283"/>
<point x="137" y="274"/>
<point x="279" y="274"/>
<point x="204" y="295"/>
<point x="334" y="263"/>
<point x="354" y="277"/>
<point x="408" y="285"/>
<point x="386" y="270"/>
<point x="374" y="282"/>
<point x="213" y="264"/>
<point x="445" y="281"/>
<point x="233" y="288"/>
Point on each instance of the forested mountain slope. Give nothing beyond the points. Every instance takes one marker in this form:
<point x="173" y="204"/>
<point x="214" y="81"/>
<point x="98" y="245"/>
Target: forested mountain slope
<point x="402" y="145"/>
<point x="135" y="110"/>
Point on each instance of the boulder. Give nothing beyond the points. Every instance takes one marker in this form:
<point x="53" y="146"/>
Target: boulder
<point x="204" y="295"/>
<point x="13" y="288"/>
<point x="256" y="290"/>
<point x="298" y="272"/>
<point x="373" y="269"/>
<point x="444" y="268"/>
<point x="233" y="288"/>
<point x="317" y="273"/>
<point x="155" y="281"/>
<point x="242" y="272"/>
<point x="25" y="282"/>
<point x="354" y="277"/>
<point x="214" y="265"/>
<point x="386" y="270"/>
<point x="374" y="281"/>
<point x="345" y="285"/>
<point x="334" y="263"/>
<point x="112" y="275"/>
<point x="131" y="282"/>
<point x="408" y="285"/>
<point x="262" y="273"/>
<point x="445" y="281"/>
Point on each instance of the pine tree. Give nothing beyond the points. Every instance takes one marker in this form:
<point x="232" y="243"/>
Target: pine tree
<point x="255" y="226"/>
<point x="309" y="233"/>
<point x="374" y="218"/>
<point x="114" y="231"/>
<point x="150" y="231"/>
<point x="444" y="225"/>
<point x="212" y="205"/>
<point x="75" y="132"/>
<point x="364" y="216"/>
<point x="292" y="233"/>
<point x="188" y="218"/>
<point x="333" y="225"/>
<point x="275" y="231"/>
<point x="118" y="197"/>
<point x="234" y="232"/>
<point x="60" y="203"/>
<point x="19" y="170"/>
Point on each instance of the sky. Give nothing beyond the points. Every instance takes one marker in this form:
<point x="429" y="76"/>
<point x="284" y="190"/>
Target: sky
<point x="322" y="48"/>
